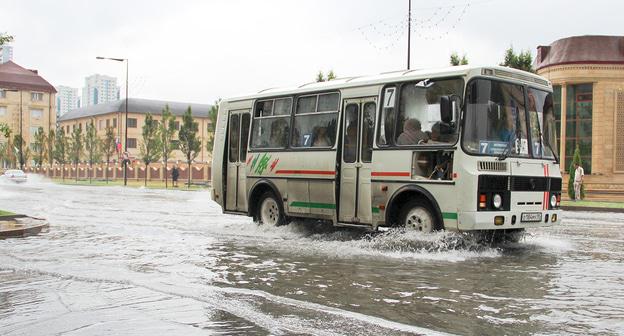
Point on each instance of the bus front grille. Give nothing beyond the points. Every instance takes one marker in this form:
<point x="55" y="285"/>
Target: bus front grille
<point x="495" y="166"/>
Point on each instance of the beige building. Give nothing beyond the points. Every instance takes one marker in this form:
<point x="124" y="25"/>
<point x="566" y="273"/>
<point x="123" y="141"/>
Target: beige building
<point x="587" y="73"/>
<point x="113" y="114"/>
<point x="27" y="102"/>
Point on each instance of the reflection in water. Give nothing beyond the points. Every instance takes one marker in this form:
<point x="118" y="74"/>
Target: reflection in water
<point x="140" y="261"/>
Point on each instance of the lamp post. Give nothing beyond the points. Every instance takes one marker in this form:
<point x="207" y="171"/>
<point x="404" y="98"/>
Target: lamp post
<point x="125" y="161"/>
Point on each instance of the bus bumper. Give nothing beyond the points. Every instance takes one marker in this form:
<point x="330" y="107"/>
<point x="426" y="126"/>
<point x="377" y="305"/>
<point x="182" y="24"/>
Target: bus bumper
<point x="491" y="220"/>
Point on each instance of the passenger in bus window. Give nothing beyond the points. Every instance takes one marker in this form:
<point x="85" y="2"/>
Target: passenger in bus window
<point x="350" y="143"/>
<point x="441" y="132"/>
<point x="320" y="138"/>
<point x="412" y="133"/>
<point x="279" y="130"/>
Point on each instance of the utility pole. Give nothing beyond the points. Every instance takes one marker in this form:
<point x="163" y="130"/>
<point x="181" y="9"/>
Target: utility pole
<point x="409" y="31"/>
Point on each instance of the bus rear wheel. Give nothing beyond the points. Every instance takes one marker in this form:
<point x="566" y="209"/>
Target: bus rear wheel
<point x="417" y="215"/>
<point x="270" y="211"/>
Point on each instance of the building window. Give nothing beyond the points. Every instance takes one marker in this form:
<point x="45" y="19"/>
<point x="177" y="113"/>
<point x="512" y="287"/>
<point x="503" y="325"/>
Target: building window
<point x="132" y="123"/>
<point x="99" y="124"/>
<point x="2" y="94"/>
<point x="114" y="122"/>
<point x="67" y="129"/>
<point x="176" y="125"/>
<point x="578" y="128"/>
<point x="33" y="131"/>
<point x="132" y="143"/>
<point x="107" y="123"/>
<point x="36" y="96"/>
<point x="557" y="111"/>
<point x="36" y="113"/>
<point x="3" y="111"/>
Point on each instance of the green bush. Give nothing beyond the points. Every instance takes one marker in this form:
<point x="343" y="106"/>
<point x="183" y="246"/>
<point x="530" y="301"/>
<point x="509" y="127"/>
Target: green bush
<point x="576" y="159"/>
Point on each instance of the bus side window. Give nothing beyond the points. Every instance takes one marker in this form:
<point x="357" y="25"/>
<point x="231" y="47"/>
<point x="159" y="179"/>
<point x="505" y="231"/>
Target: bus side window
<point x="315" y="121"/>
<point x="271" y="124"/>
<point x="386" y="119"/>
<point x="234" y="137"/>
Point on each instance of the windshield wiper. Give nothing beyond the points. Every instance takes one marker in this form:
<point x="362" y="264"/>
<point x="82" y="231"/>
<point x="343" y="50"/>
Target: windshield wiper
<point x="505" y="153"/>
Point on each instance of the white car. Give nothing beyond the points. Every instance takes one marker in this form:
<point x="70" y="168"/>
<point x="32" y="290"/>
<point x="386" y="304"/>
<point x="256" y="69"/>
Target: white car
<point x="15" y="175"/>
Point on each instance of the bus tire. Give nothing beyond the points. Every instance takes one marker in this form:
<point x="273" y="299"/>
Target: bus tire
<point x="270" y="210"/>
<point x="417" y="215"/>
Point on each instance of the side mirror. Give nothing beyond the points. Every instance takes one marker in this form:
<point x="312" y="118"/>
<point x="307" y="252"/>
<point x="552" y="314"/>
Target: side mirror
<point x="446" y="109"/>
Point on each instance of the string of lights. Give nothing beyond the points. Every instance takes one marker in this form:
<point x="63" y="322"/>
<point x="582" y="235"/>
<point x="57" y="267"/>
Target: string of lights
<point x="385" y="34"/>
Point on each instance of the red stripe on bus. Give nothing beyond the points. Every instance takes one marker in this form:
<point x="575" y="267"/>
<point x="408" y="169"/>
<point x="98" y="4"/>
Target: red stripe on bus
<point x="306" y="172"/>
<point x="406" y="174"/>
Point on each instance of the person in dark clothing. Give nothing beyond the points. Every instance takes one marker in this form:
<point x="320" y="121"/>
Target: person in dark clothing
<point x="175" y="173"/>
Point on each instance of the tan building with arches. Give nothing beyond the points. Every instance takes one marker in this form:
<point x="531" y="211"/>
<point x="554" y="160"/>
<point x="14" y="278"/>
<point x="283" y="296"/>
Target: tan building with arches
<point x="587" y="74"/>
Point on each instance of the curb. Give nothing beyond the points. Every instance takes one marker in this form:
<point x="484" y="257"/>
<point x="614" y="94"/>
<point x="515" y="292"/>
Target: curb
<point x="592" y="209"/>
<point x="24" y="230"/>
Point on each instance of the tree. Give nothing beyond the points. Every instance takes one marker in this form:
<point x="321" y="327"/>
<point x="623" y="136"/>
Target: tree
<point x="150" y="144"/>
<point x="108" y="148"/>
<point x="331" y="75"/>
<point x="50" y="147"/>
<point x="455" y="60"/>
<point x="576" y="159"/>
<point x="92" y="145"/>
<point x="521" y="61"/>
<point x="189" y="143"/>
<point x="320" y="77"/>
<point x="166" y="131"/>
<point x="18" y="143"/>
<point x="5" y="38"/>
<point x="212" y="124"/>
<point x="40" y="142"/>
<point x="6" y="149"/>
<point x="75" y="148"/>
<point x="60" y="150"/>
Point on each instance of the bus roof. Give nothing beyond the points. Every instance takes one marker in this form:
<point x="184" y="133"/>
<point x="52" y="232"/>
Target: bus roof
<point x="397" y="76"/>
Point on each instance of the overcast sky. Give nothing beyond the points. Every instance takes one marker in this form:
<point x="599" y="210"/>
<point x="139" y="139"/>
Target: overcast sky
<point x="198" y="51"/>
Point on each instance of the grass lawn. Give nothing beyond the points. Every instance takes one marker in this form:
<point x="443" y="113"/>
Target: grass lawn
<point x="131" y="183"/>
<point x="6" y="213"/>
<point x="594" y="204"/>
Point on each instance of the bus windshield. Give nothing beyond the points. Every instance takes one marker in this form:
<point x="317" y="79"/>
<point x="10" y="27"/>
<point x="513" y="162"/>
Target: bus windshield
<point x="499" y="123"/>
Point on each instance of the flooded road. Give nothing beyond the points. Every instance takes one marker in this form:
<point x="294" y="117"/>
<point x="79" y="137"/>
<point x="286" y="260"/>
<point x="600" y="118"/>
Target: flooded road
<point x="156" y="262"/>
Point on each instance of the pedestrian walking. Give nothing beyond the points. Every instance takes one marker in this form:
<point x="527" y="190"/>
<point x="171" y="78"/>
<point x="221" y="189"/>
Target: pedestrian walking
<point x="175" y="173"/>
<point x="578" y="181"/>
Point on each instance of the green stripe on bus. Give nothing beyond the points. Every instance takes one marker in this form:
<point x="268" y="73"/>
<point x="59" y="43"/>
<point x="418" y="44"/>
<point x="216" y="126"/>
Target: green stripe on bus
<point x="449" y="215"/>
<point x="375" y="210"/>
<point x="313" y="205"/>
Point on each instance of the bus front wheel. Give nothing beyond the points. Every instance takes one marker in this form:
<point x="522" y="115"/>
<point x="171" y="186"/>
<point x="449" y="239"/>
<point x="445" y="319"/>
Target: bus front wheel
<point x="270" y="211"/>
<point x="417" y="215"/>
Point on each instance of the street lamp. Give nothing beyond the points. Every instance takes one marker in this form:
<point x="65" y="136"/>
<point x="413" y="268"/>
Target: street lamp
<point x="125" y="161"/>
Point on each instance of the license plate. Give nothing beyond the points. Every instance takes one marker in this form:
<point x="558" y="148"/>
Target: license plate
<point x="531" y="217"/>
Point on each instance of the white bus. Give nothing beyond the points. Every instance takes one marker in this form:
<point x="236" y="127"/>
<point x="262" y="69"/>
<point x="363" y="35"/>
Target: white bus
<point x="461" y="148"/>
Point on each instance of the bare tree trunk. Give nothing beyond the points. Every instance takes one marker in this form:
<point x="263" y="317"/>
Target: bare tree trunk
<point x="90" y="172"/>
<point x="63" y="172"/>
<point x="188" y="186"/>
<point x="165" y="172"/>
<point x="76" y="165"/>
<point x="145" y="176"/>
<point x="106" y="172"/>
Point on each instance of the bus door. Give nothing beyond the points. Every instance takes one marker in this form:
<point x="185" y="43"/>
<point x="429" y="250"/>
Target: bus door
<point x="357" y="149"/>
<point x="238" y="133"/>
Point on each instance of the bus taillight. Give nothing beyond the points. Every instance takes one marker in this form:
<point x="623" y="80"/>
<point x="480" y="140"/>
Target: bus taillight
<point x="482" y="201"/>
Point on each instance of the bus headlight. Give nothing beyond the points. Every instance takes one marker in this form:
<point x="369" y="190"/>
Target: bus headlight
<point x="497" y="201"/>
<point x="553" y="201"/>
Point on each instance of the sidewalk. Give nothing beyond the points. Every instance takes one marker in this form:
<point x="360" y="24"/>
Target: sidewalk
<point x="593" y="206"/>
<point x="18" y="226"/>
